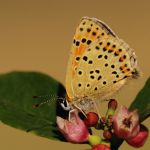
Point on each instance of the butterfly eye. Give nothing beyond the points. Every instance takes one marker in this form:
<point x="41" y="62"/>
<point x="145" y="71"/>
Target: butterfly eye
<point x="65" y="105"/>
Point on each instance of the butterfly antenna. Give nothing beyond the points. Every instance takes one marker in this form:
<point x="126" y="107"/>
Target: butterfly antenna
<point x="43" y="96"/>
<point x="48" y="98"/>
<point x="42" y="103"/>
<point x="97" y="109"/>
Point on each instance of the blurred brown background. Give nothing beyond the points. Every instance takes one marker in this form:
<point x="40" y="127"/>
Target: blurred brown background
<point x="36" y="35"/>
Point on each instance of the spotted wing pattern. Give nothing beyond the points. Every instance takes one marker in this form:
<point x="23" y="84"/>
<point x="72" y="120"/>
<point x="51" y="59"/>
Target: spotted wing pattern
<point x="88" y="31"/>
<point x="103" y="68"/>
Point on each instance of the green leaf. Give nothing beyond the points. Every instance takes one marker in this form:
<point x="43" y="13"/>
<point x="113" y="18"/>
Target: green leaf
<point x="142" y="102"/>
<point x="16" y="102"/>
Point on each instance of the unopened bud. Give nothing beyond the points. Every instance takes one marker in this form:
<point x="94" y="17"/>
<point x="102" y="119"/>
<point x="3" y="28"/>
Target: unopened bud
<point x="112" y="104"/>
<point x="107" y="134"/>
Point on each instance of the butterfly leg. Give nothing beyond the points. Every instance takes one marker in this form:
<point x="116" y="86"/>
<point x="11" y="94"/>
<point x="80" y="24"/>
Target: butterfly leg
<point x="78" y="108"/>
<point x="96" y="108"/>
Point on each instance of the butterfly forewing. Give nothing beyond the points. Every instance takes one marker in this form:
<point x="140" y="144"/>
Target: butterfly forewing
<point x="88" y="31"/>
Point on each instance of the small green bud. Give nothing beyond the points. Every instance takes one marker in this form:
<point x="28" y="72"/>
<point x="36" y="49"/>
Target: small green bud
<point x="94" y="140"/>
<point x="110" y="112"/>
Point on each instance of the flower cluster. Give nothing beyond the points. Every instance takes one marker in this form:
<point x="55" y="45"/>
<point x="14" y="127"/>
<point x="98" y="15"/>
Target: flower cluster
<point x="124" y="124"/>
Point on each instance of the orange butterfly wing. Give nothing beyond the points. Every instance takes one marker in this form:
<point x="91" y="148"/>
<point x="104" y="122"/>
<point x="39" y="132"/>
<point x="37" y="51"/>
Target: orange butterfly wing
<point x="88" y="31"/>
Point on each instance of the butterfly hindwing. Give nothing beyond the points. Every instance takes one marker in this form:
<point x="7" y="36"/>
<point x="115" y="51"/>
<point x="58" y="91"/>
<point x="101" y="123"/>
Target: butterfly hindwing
<point x="103" y="68"/>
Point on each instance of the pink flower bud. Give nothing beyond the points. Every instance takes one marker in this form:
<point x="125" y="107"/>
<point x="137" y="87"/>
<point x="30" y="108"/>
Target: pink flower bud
<point x="126" y="123"/>
<point x="101" y="147"/>
<point x="140" y="138"/>
<point x="74" y="130"/>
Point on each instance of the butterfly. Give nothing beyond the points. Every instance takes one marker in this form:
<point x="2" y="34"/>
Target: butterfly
<point x="100" y="64"/>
